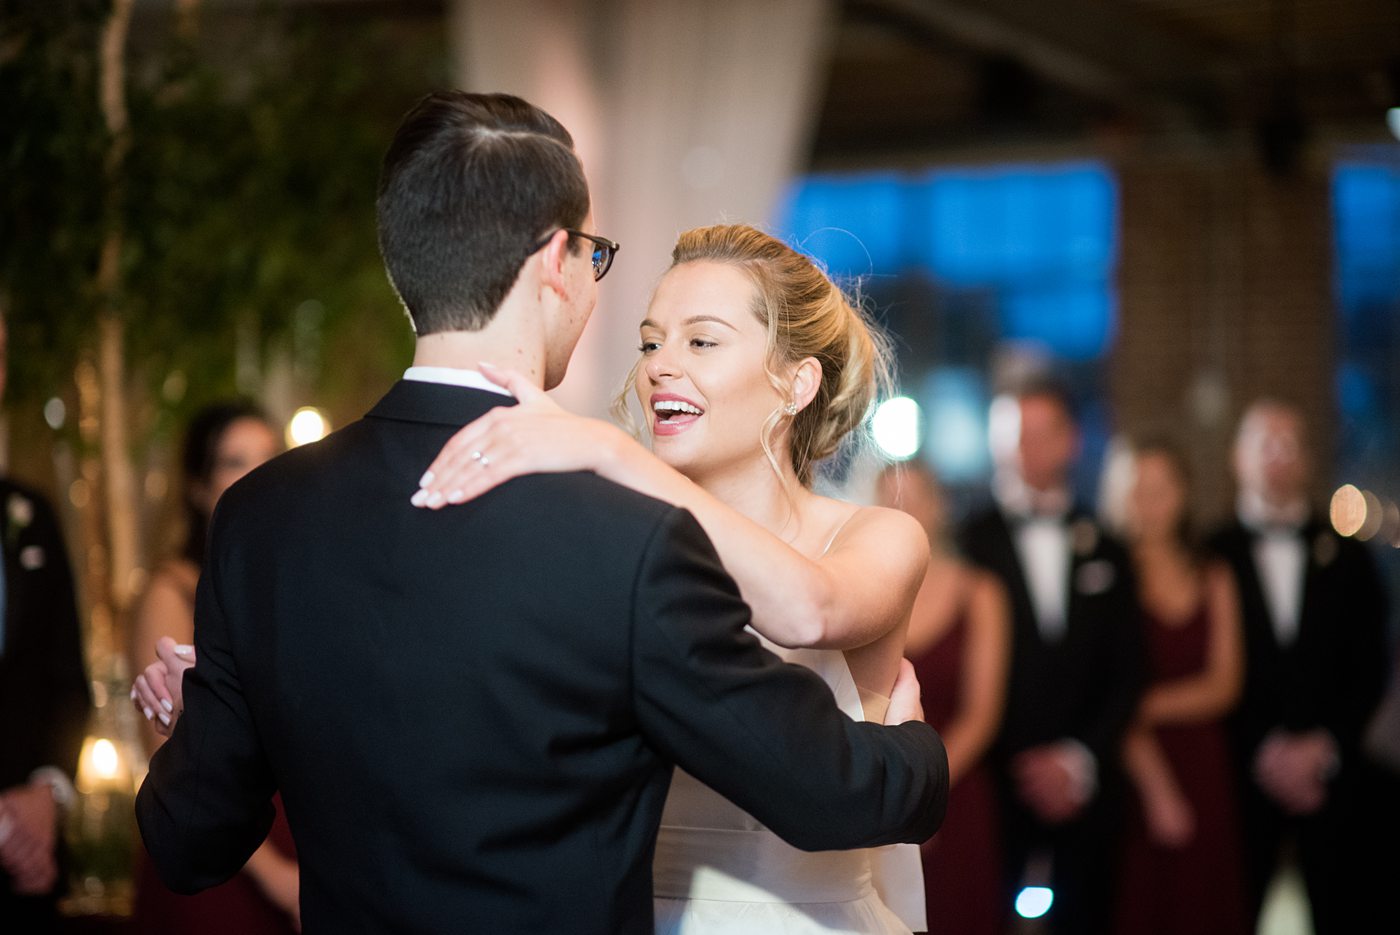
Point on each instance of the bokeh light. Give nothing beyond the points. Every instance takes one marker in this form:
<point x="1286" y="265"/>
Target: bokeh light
<point x="1034" y="901"/>
<point x="896" y="427"/>
<point x="308" y="424"/>
<point x="1375" y="515"/>
<point x="1348" y="510"/>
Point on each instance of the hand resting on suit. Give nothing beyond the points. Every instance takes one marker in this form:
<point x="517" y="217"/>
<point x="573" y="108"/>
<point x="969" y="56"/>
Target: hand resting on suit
<point x="157" y="691"/>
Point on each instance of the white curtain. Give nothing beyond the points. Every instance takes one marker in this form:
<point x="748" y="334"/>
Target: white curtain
<point x="685" y="113"/>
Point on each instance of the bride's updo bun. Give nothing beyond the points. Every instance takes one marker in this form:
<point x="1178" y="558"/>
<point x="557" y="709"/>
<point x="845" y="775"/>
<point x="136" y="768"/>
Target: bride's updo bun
<point x="806" y="315"/>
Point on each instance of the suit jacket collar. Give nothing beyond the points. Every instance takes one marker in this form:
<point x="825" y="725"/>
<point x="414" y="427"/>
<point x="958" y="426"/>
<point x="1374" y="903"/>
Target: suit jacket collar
<point x="1315" y="525"/>
<point x="436" y="403"/>
<point x="1085" y="545"/>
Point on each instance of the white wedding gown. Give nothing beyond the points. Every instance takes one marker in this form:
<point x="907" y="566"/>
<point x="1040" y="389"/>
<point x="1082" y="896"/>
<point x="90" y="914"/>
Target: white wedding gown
<point x="719" y="872"/>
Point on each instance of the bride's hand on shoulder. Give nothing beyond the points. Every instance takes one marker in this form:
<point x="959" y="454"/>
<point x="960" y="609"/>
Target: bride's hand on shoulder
<point x="535" y="437"/>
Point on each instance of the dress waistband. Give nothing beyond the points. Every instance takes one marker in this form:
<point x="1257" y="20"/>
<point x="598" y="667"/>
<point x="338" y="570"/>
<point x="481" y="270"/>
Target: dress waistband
<point x="753" y="866"/>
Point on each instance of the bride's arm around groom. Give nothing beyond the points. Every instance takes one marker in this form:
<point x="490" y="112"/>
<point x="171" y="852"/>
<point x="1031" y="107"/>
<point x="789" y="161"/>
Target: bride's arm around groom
<point x="764" y="734"/>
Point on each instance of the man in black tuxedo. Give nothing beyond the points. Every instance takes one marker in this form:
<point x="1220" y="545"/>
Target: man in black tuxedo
<point x="1076" y="663"/>
<point x="473" y="714"/>
<point x="43" y="702"/>
<point x="1313" y="610"/>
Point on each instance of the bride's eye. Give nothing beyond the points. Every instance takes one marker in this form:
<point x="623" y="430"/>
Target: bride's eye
<point x="703" y="342"/>
<point x="646" y="347"/>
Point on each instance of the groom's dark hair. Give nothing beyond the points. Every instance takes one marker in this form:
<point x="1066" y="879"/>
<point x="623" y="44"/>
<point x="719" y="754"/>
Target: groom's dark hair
<point x="469" y="185"/>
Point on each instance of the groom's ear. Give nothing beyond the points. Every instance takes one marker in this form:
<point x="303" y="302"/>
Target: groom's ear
<point x="552" y="258"/>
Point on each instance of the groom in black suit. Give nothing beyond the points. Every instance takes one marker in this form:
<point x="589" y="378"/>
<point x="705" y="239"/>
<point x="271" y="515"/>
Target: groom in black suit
<point x="1076" y="664"/>
<point x="473" y="714"/>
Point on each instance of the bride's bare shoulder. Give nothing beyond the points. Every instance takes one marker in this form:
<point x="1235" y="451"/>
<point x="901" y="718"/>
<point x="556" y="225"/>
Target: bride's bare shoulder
<point x="893" y="530"/>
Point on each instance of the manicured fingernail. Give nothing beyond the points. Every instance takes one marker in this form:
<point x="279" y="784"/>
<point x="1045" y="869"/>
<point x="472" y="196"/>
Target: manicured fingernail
<point x="165" y="719"/>
<point x="165" y="703"/>
<point x="456" y="496"/>
<point x="486" y="363"/>
<point x="418" y="499"/>
<point x="148" y="712"/>
<point x="434" y="499"/>
<point x="133" y="693"/>
<point x="426" y="479"/>
<point x="184" y="650"/>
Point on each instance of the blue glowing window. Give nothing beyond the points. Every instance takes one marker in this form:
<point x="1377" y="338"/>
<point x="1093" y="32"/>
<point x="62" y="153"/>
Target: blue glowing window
<point x="1366" y="220"/>
<point x="1040" y="241"/>
<point x="1366" y="211"/>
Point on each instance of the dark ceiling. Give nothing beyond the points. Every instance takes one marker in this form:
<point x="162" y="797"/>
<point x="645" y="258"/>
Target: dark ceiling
<point x="914" y="75"/>
<point x="911" y="80"/>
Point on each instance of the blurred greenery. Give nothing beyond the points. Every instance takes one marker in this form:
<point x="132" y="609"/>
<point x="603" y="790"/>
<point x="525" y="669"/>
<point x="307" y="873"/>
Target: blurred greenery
<point x="248" y="263"/>
<point x="246" y="201"/>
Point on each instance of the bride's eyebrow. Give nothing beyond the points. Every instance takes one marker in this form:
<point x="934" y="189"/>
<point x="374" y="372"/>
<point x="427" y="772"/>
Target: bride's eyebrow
<point x="694" y="319"/>
<point x="719" y="321"/>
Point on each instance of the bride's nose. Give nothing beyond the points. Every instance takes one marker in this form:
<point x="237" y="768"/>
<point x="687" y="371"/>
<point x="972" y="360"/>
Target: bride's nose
<point x="661" y="365"/>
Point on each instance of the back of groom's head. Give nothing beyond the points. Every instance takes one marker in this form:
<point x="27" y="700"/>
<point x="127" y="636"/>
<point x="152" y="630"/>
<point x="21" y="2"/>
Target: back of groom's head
<point x="469" y="185"/>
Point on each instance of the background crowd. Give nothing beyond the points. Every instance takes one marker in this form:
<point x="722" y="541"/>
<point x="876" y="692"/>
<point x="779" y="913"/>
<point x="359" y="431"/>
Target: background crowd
<point x="1151" y="729"/>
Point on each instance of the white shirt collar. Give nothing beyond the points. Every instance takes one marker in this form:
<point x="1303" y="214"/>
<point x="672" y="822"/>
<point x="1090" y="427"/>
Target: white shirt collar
<point x="1258" y="514"/>
<point x="1017" y="499"/>
<point x="453" y="376"/>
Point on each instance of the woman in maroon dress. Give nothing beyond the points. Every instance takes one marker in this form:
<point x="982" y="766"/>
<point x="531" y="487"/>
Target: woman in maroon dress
<point x="959" y="637"/>
<point x="1181" y="870"/>
<point x="223" y="443"/>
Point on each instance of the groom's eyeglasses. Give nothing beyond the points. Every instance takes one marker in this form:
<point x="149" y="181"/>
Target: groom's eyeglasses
<point x="603" y="250"/>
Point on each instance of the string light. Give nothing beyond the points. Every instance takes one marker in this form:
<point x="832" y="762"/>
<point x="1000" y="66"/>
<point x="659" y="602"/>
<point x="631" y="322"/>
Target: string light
<point x="308" y="424"/>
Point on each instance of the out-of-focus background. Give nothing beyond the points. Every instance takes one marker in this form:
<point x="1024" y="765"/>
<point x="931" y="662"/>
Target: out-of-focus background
<point x="1178" y="206"/>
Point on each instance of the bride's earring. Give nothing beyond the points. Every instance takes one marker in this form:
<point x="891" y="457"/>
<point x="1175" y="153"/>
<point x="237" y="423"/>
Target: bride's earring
<point x="790" y="409"/>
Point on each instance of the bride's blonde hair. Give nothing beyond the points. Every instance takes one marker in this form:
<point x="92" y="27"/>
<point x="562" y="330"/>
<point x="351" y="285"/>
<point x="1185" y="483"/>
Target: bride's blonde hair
<point x="805" y="315"/>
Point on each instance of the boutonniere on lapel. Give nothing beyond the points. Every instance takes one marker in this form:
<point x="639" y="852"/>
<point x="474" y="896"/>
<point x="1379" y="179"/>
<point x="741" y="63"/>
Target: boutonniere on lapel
<point x="20" y="511"/>
<point x="1083" y="537"/>
<point x="1324" y="550"/>
<point x="1095" y="577"/>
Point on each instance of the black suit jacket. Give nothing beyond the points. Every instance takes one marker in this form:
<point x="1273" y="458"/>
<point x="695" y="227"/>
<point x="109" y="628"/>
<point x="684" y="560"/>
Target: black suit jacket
<point x="473" y="714"/>
<point x="1332" y="675"/>
<point x="43" y="654"/>
<point x="44" y="697"/>
<point x="1085" y="686"/>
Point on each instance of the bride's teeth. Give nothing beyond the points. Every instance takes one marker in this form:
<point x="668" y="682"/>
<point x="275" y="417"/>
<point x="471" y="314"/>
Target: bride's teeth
<point x="674" y="406"/>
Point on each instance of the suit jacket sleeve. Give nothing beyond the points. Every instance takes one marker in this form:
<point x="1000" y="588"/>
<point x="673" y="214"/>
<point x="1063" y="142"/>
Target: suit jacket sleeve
<point x="206" y="803"/>
<point x="765" y="734"/>
<point x="1359" y="678"/>
<point x="1124" y="671"/>
<point x="67" y="679"/>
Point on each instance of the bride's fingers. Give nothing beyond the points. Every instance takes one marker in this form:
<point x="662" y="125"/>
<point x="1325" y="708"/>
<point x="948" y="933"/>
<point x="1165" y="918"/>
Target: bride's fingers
<point x="465" y="440"/>
<point x="149" y="702"/>
<point x="453" y="472"/>
<point x="459" y="454"/>
<point x="142" y="697"/>
<point x="507" y="461"/>
<point x="474" y="452"/>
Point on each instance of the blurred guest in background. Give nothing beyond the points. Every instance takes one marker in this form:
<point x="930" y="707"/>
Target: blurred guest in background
<point x="959" y="640"/>
<point x="1315" y="666"/>
<point x="223" y="443"/>
<point x="1182" y="865"/>
<point x="1076" y="663"/>
<point x="44" y="703"/>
